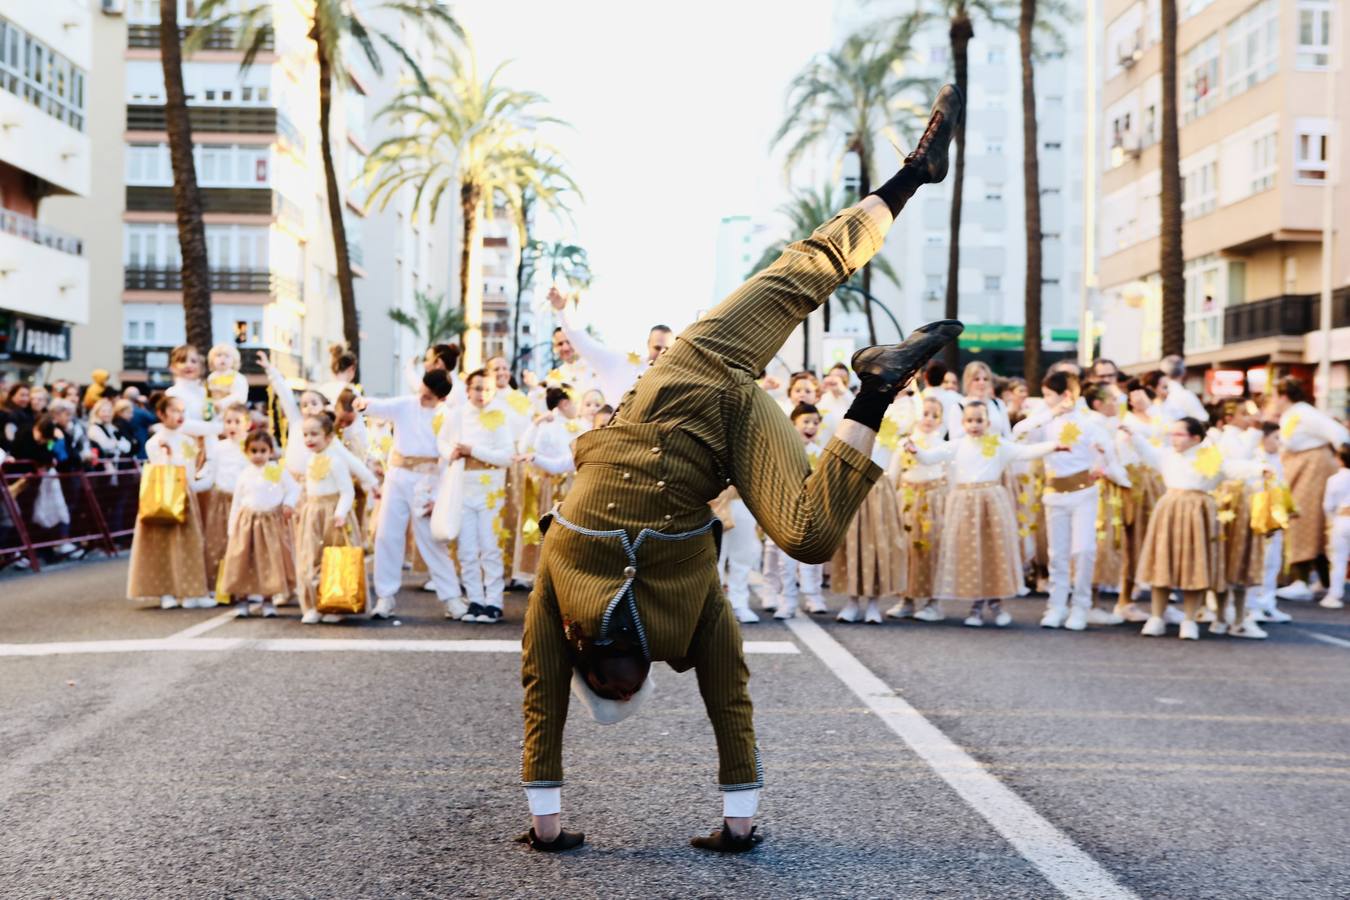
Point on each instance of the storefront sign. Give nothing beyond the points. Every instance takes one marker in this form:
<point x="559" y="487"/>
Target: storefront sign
<point x="1225" y="382"/>
<point x="992" y="337"/>
<point x="1258" y="379"/>
<point x="35" y="340"/>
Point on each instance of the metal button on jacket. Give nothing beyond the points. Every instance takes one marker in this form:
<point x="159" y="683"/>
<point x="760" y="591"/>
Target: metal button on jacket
<point x="627" y="475"/>
<point x="609" y="506"/>
<point x="630" y="572"/>
<point x="656" y="449"/>
<point x="668" y="518"/>
<point x="660" y="484"/>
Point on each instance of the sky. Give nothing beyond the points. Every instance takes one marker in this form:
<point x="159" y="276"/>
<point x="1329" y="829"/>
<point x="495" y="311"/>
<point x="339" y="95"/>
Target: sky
<point x="672" y="108"/>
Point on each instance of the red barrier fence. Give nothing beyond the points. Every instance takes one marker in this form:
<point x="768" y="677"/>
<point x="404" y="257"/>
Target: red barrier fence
<point x="45" y="510"/>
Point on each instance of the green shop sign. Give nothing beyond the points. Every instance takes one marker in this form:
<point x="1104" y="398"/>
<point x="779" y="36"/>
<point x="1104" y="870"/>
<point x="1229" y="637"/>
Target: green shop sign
<point x="1008" y="337"/>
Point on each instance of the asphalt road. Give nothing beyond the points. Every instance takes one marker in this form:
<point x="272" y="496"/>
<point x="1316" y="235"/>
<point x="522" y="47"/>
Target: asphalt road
<point x="219" y="764"/>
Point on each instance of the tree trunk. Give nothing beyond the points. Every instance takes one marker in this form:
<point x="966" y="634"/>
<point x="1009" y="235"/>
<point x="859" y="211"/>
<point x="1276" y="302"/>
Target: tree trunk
<point x="961" y="32"/>
<point x="1171" y="262"/>
<point x="470" y="295"/>
<point x="187" y="199"/>
<point x="351" y="329"/>
<point x="865" y="188"/>
<point x="1032" y="192"/>
<point x="523" y="236"/>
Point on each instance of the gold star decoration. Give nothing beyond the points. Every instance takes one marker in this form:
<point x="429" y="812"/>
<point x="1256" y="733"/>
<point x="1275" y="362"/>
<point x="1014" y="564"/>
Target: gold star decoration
<point x="436" y="422"/>
<point x="492" y="419"/>
<point x="272" y="472"/>
<point x="634" y="359"/>
<point x="190" y="449"/>
<point x="518" y="402"/>
<point x="485" y="478"/>
<point x="319" y="466"/>
<point x="1070" y="433"/>
<point x="889" y="434"/>
<point x="1290" y="426"/>
<point x="989" y="446"/>
<point x="1208" y="461"/>
<point x="555" y="376"/>
<point x="572" y="426"/>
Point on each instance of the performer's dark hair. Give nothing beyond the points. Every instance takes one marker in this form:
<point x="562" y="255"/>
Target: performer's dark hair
<point x="1151" y="380"/>
<point x="1061" y="382"/>
<point x="803" y="409"/>
<point x="1292" y="388"/>
<point x="438" y="382"/>
<point x="1194" y="427"/>
<point x="343" y="359"/>
<point x="260" y="437"/>
<point x="606" y="409"/>
<point x="344" y="400"/>
<point x="159" y="402"/>
<point x="476" y="373"/>
<point x="934" y="374"/>
<point x="448" y="354"/>
<point x="325" y="420"/>
<point x="1343" y="454"/>
<point x="655" y="328"/>
<point x="554" y="396"/>
<point x="1269" y="428"/>
<point x="1098" y="393"/>
<point x="1137" y="384"/>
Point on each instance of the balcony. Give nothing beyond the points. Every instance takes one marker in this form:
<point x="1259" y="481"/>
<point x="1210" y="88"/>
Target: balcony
<point x="250" y="281"/>
<point x="143" y="36"/>
<point x="1289" y="314"/>
<point x="42" y="271"/>
<point x="231" y="119"/>
<point x="141" y="358"/>
<point x="28" y="229"/>
<point x="256" y="201"/>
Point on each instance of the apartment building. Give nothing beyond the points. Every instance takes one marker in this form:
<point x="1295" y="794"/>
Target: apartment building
<point x="45" y="152"/>
<point x="1259" y="155"/>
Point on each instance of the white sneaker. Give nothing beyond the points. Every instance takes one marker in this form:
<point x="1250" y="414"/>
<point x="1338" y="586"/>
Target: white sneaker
<point x="429" y="587"/>
<point x="244" y="611"/>
<point x="1297" y="590"/>
<point x="167" y="602"/>
<point x="974" y="620"/>
<point x="745" y="615"/>
<point x="815" y="605"/>
<point x="785" y="612"/>
<point x="1276" y="615"/>
<point x="1330" y="602"/>
<point x="1219" y="628"/>
<point x="1097" y="616"/>
<point x="66" y="549"/>
<point x="1154" y="627"/>
<point x="330" y="618"/>
<point x="1054" y="618"/>
<point x="384" y="608"/>
<point x="902" y="610"/>
<point x="268" y="610"/>
<point x="1204" y="614"/>
<point x="930" y="613"/>
<point x="1077" y="619"/>
<point x="1132" y="612"/>
<point x="1190" y="631"/>
<point x="1003" y="619"/>
<point x="769" y="604"/>
<point x="850" y="613"/>
<point x="1249" y="629"/>
<point x="455" y="608"/>
<point x="1172" y="615"/>
<point x="311" y="618"/>
<point x="873" y="615"/>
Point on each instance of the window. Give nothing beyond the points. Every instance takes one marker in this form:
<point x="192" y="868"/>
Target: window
<point x="1314" y="34"/>
<point x="1200" y="69"/>
<point x="1265" y="162"/>
<point x="1205" y="300"/>
<point x="1150" y="131"/>
<point x="1199" y="189"/>
<point x="1053" y="145"/>
<point x="228" y="247"/>
<point x="1311" y="150"/>
<point x="933" y="288"/>
<point x="228" y="165"/>
<point x="1191" y="8"/>
<point x="993" y="283"/>
<point x="41" y="76"/>
<point x="1252" y="47"/>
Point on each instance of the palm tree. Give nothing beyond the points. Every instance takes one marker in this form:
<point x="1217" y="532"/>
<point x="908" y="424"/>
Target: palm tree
<point x="843" y="99"/>
<point x="567" y="261"/>
<point x="187" y="198"/>
<point x="332" y="25"/>
<point x="434" y="322"/>
<point x="475" y="136"/>
<point x="806" y="210"/>
<point x="1171" y="262"/>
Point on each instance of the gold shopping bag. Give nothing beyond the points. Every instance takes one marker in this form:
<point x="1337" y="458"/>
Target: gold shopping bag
<point x="1263" y="513"/>
<point x="529" y="512"/>
<point x="222" y="598"/>
<point x="342" y="580"/>
<point x="164" y="494"/>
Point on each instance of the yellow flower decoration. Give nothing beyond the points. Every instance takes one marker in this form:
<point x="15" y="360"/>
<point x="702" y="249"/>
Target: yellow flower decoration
<point x="1070" y="433"/>
<point x="485" y="478"/>
<point x="518" y="402"/>
<point x="889" y="434"/>
<point x="814" y="459"/>
<point x="634" y="359"/>
<point x="319" y="466"/>
<point x="572" y="426"/>
<point x="272" y="472"/>
<point x="436" y="422"/>
<point x="492" y="419"/>
<point x="1290" y="426"/>
<point x="1208" y="461"/>
<point x="555" y="376"/>
<point x="190" y="449"/>
<point x="989" y="446"/>
<point x="1227" y="516"/>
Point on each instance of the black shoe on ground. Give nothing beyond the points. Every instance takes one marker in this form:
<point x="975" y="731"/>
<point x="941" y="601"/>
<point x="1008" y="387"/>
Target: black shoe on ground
<point x="473" y="615"/>
<point x="888" y="368"/>
<point x="723" y="841"/>
<point x="490" y="614"/>
<point x="929" y="156"/>
<point x="566" y="840"/>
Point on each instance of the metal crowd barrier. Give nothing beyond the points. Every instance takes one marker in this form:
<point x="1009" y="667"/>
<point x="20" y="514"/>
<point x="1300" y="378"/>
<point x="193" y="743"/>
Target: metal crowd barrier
<point x="99" y="509"/>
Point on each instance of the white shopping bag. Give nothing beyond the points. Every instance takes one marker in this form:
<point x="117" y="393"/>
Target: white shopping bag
<point x="449" y="508"/>
<point x="49" y="509"/>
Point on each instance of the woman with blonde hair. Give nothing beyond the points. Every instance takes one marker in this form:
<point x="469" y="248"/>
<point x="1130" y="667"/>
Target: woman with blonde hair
<point x="977" y="383"/>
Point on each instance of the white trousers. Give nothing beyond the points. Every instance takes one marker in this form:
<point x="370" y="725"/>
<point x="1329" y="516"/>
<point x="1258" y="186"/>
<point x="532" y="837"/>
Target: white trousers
<point x="480" y="553"/>
<point x="740" y="553"/>
<point x="1270" y="574"/>
<point x="798" y="578"/>
<point x="1339" y="550"/>
<point x="1071" y="535"/>
<point x="401" y="492"/>
<point x="773" y="572"/>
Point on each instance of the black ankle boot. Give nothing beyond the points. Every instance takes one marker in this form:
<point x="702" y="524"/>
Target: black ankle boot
<point x="929" y="156"/>
<point x="888" y="368"/>
<point x="723" y="841"/>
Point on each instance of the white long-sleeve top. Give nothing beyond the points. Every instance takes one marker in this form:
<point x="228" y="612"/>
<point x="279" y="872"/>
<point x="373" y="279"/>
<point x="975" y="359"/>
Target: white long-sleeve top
<point x="1180" y="403"/>
<point x="226" y="388"/>
<point x="229" y="460"/>
<point x="1087" y="441"/>
<point x="1337" y="492"/>
<point x="518" y="408"/>
<point x="979" y="459"/>
<point x="1201" y="468"/>
<point x="297" y="455"/>
<point x="615" y="371"/>
<point x="414" y="424"/>
<point x="262" y="489"/>
<point x="551" y="443"/>
<point x="1303" y="427"/>
<point x="905" y="468"/>
<point x="193" y="395"/>
<point x="1150" y="427"/>
<point x="1239" y="443"/>
<point x="327" y="473"/>
<point x="178" y="448"/>
<point x="832" y="411"/>
<point x="485" y="431"/>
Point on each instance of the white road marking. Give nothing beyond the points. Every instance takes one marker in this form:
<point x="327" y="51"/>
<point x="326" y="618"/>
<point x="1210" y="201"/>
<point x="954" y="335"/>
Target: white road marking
<point x="203" y="627"/>
<point x="1059" y="859"/>
<point x="1327" y="639"/>
<point x="181" y="643"/>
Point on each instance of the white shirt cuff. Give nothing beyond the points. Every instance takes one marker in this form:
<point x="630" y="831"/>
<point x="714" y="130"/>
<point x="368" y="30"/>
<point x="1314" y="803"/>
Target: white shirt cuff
<point x="544" y="801"/>
<point x="740" y="804"/>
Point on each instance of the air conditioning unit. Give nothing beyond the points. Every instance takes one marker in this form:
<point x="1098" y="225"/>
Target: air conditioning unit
<point x="114" y="7"/>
